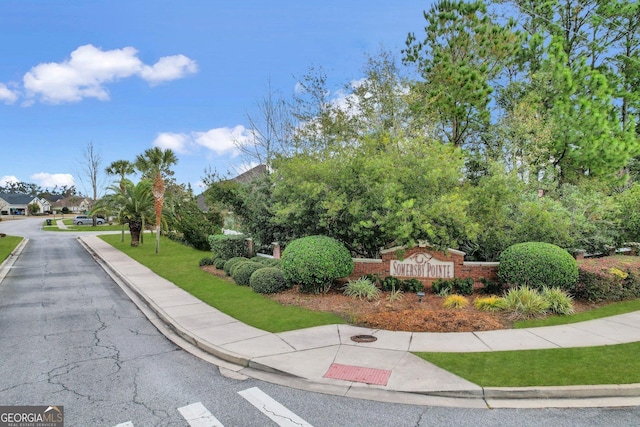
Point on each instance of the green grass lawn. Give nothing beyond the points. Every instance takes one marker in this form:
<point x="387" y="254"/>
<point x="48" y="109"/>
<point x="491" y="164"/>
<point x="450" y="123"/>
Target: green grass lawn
<point x="71" y="227"/>
<point x="596" y="313"/>
<point x="179" y="264"/>
<point x="615" y="364"/>
<point x="7" y="245"/>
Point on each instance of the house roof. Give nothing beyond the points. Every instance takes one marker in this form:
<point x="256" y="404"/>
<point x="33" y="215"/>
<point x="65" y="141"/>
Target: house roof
<point x="69" y="201"/>
<point x="17" y="199"/>
<point x="251" y="174"/>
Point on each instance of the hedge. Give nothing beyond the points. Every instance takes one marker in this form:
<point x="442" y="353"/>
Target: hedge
<point x="227" y="246"/>
<point x="314" y="262"/>
<point x="538" y="264"/>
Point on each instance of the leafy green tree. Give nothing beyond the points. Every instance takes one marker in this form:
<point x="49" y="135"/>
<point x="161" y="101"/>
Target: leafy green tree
<point x="134" y="206"/>
<point x="586" y="53"/>
<point x="320" y="123"/>
<point x="592" y="212"/>
<point x="622" y="18"/>
<point x="377" y="104"/>
<point x="193" y="224"/>
<point x="121" y="168"/>
<point x="375" y="194"/>
<point x="33" y="208"/>
<point x="462" y="52"/>
<point x="252" y="204"/>
<point x="155" y="164"/>
<point x="494" y="202"/>
<point x="588" y="137"/>
<point x="629" y="213"/>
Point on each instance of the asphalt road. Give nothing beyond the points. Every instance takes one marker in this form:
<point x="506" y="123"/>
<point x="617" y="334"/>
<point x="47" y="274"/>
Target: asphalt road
<point x="69" y="336"/>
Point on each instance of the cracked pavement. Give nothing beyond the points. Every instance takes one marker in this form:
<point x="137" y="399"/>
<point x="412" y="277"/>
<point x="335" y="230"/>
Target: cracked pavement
<point x="69" y="336"/>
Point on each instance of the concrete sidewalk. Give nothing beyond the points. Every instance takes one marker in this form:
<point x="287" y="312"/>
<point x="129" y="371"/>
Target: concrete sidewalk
<point x="326" y="359"/>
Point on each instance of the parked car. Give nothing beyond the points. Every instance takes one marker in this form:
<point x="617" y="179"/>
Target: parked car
<point x="84" y="219"/>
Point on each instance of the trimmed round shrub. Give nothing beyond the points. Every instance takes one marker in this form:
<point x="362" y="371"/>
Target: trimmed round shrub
<point x="314" y="262"/>
<point x="219" y="263"/>
<point x="537" y="264"/>
<point x="271" y="262"/>
<point x="268" y="280"/>
<point x="206" y="261"/>
<point x="242" y="272"/>
<point x="231" y="263"/>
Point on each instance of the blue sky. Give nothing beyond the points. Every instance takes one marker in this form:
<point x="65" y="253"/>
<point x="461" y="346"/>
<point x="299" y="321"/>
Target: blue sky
<point x="129" y="75"/>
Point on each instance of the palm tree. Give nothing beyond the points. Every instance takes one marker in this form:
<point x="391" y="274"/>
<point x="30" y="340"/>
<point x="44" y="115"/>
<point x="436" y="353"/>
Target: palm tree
<point x="122" y="168"/>
<point x="155" y="164"/>
<point x="134" y="205"/>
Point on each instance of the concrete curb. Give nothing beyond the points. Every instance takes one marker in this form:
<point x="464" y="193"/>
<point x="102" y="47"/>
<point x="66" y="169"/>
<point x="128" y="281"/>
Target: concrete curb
<point x="225" y="355"/>
<point x="563" y="392"/>
<point x="6" y="265"/>
<point x="489" y="397"/>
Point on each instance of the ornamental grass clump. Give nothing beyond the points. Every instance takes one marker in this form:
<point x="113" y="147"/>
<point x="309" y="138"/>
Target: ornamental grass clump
<point x="559" y="301"/>
<point x="455" y="301"/>
<point x="362" y="288"/>
<point x="491" y="303"/>
<point x="395" y="295"/>
<point x="525" y="303"/>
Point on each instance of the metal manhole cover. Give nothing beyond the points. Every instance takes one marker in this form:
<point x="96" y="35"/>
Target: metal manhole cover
<point x="363" y="338"/>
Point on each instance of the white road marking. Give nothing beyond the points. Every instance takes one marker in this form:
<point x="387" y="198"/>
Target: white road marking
<point x="272" y="409"/>
<point x="198" y="416"/>
<point x="127" y="424"/>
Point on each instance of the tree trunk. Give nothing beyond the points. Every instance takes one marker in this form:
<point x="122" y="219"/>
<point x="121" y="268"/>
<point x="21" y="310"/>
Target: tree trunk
<point x="134" y="229"/>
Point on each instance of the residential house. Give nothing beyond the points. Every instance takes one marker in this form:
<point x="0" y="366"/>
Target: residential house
<point x="18" y="204"/>
<point x="75" y="204"/>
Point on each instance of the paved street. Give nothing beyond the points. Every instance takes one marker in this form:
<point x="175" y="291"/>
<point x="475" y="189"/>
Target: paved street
<point x="69" y="336"/>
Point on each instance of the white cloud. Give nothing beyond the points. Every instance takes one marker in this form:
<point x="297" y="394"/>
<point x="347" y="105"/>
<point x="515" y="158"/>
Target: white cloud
<point x="88" y="70"/>
<point x="7" y="95"/>
<point x="49" y="180"/>
<point x="7" y="179"/>
<point x="222" y="140"/>
<point x="169" y="68"/>
<point x="178" y="142"/>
